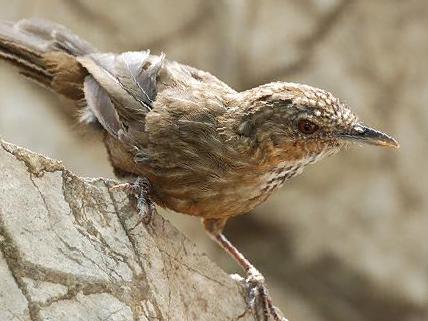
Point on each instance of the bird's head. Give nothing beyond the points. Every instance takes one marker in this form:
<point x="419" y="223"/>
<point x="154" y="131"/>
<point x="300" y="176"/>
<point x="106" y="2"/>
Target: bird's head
<point x="299" y="122"/>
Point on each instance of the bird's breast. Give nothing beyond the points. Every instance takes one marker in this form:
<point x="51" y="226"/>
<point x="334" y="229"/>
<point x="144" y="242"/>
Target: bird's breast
<point x="274" y="179"/>
<point x="276" y="176"/>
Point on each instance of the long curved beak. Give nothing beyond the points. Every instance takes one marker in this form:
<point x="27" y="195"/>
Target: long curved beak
<point x="366" y="135"/>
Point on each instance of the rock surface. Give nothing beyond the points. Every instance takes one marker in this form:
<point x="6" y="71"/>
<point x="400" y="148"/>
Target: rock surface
<point x="70" y="250"/>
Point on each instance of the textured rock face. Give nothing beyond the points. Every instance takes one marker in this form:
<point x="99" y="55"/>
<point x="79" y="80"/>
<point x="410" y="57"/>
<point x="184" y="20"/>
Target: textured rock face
<point x="70" y="250"/>
<point x="346" y="240"/>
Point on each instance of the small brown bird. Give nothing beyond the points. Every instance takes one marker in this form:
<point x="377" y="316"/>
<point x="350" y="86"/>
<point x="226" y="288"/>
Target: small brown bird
<point x="193" y="144"/>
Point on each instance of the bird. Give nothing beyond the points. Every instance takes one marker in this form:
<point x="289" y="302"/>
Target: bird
<point x="183" y="139"/>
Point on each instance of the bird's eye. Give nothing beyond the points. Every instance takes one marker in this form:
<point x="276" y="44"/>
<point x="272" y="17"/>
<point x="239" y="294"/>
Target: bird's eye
<point x="307" y="127"/>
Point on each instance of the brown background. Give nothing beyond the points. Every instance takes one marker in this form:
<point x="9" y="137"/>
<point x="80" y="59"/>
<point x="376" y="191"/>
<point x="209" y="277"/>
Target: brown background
<point x="348" y="239"/>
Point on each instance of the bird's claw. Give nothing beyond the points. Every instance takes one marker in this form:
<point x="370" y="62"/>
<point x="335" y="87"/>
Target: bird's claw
<point x="254" y="282"/>
<point x="146" y="209"/>
<point x="257" y="292"/>
<point x="140" y="189"/>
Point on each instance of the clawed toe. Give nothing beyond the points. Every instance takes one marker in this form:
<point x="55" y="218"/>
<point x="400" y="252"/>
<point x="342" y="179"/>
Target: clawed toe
<point x="257" y="293"/>
<point x="124" y="186"/>
<point x="146" y="209"/>
<point x="140" y="189"/>
<point x="254" y="282"/>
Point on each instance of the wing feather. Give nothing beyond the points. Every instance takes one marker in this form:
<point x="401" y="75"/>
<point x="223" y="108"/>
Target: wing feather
<point x="130" y="79"/>
<point x="99" y="103"/>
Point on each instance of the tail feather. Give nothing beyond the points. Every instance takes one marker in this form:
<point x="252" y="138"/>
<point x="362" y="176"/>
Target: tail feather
<point x="27" y="68"/>
<point x="49" y="36"/>
<point x="38" y="47"/>
<point x="22" y="53"/>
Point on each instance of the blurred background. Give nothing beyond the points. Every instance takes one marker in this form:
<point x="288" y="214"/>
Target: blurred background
<point x="348" y="239"/>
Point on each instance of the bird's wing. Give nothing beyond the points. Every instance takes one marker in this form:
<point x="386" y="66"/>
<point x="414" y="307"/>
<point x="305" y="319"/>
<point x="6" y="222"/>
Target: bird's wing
<point x="121" y="88"/>
<point x="128" y="78"/>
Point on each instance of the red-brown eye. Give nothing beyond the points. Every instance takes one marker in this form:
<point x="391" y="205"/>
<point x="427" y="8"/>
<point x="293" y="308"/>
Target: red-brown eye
<point x="307" y="127"/>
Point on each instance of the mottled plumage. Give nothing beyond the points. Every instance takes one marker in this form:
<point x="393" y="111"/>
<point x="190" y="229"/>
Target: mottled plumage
<point x="206" y="149"/>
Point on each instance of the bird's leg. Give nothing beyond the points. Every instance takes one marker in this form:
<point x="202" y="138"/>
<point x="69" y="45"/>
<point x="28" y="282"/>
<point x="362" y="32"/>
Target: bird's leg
<point x="140" y="189"/>
<point x="255" y="281"/>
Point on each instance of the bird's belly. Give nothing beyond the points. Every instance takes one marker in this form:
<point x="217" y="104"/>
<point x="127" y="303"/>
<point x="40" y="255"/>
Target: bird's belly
<point x="226" y="197"/>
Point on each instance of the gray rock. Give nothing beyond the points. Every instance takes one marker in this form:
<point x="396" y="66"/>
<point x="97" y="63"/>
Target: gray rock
<point x="71" y="249"/>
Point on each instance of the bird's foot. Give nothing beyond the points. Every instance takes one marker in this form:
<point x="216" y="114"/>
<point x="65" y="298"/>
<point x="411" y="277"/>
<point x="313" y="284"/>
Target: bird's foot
<point x="140" y="189"/>
<point x="257" y="293"/>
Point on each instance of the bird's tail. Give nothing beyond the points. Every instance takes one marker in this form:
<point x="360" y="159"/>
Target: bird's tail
<point x="45" y="52"/>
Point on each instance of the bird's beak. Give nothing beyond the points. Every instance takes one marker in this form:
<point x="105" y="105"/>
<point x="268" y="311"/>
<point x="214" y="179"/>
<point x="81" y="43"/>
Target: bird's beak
<point x="366" y="135"/>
